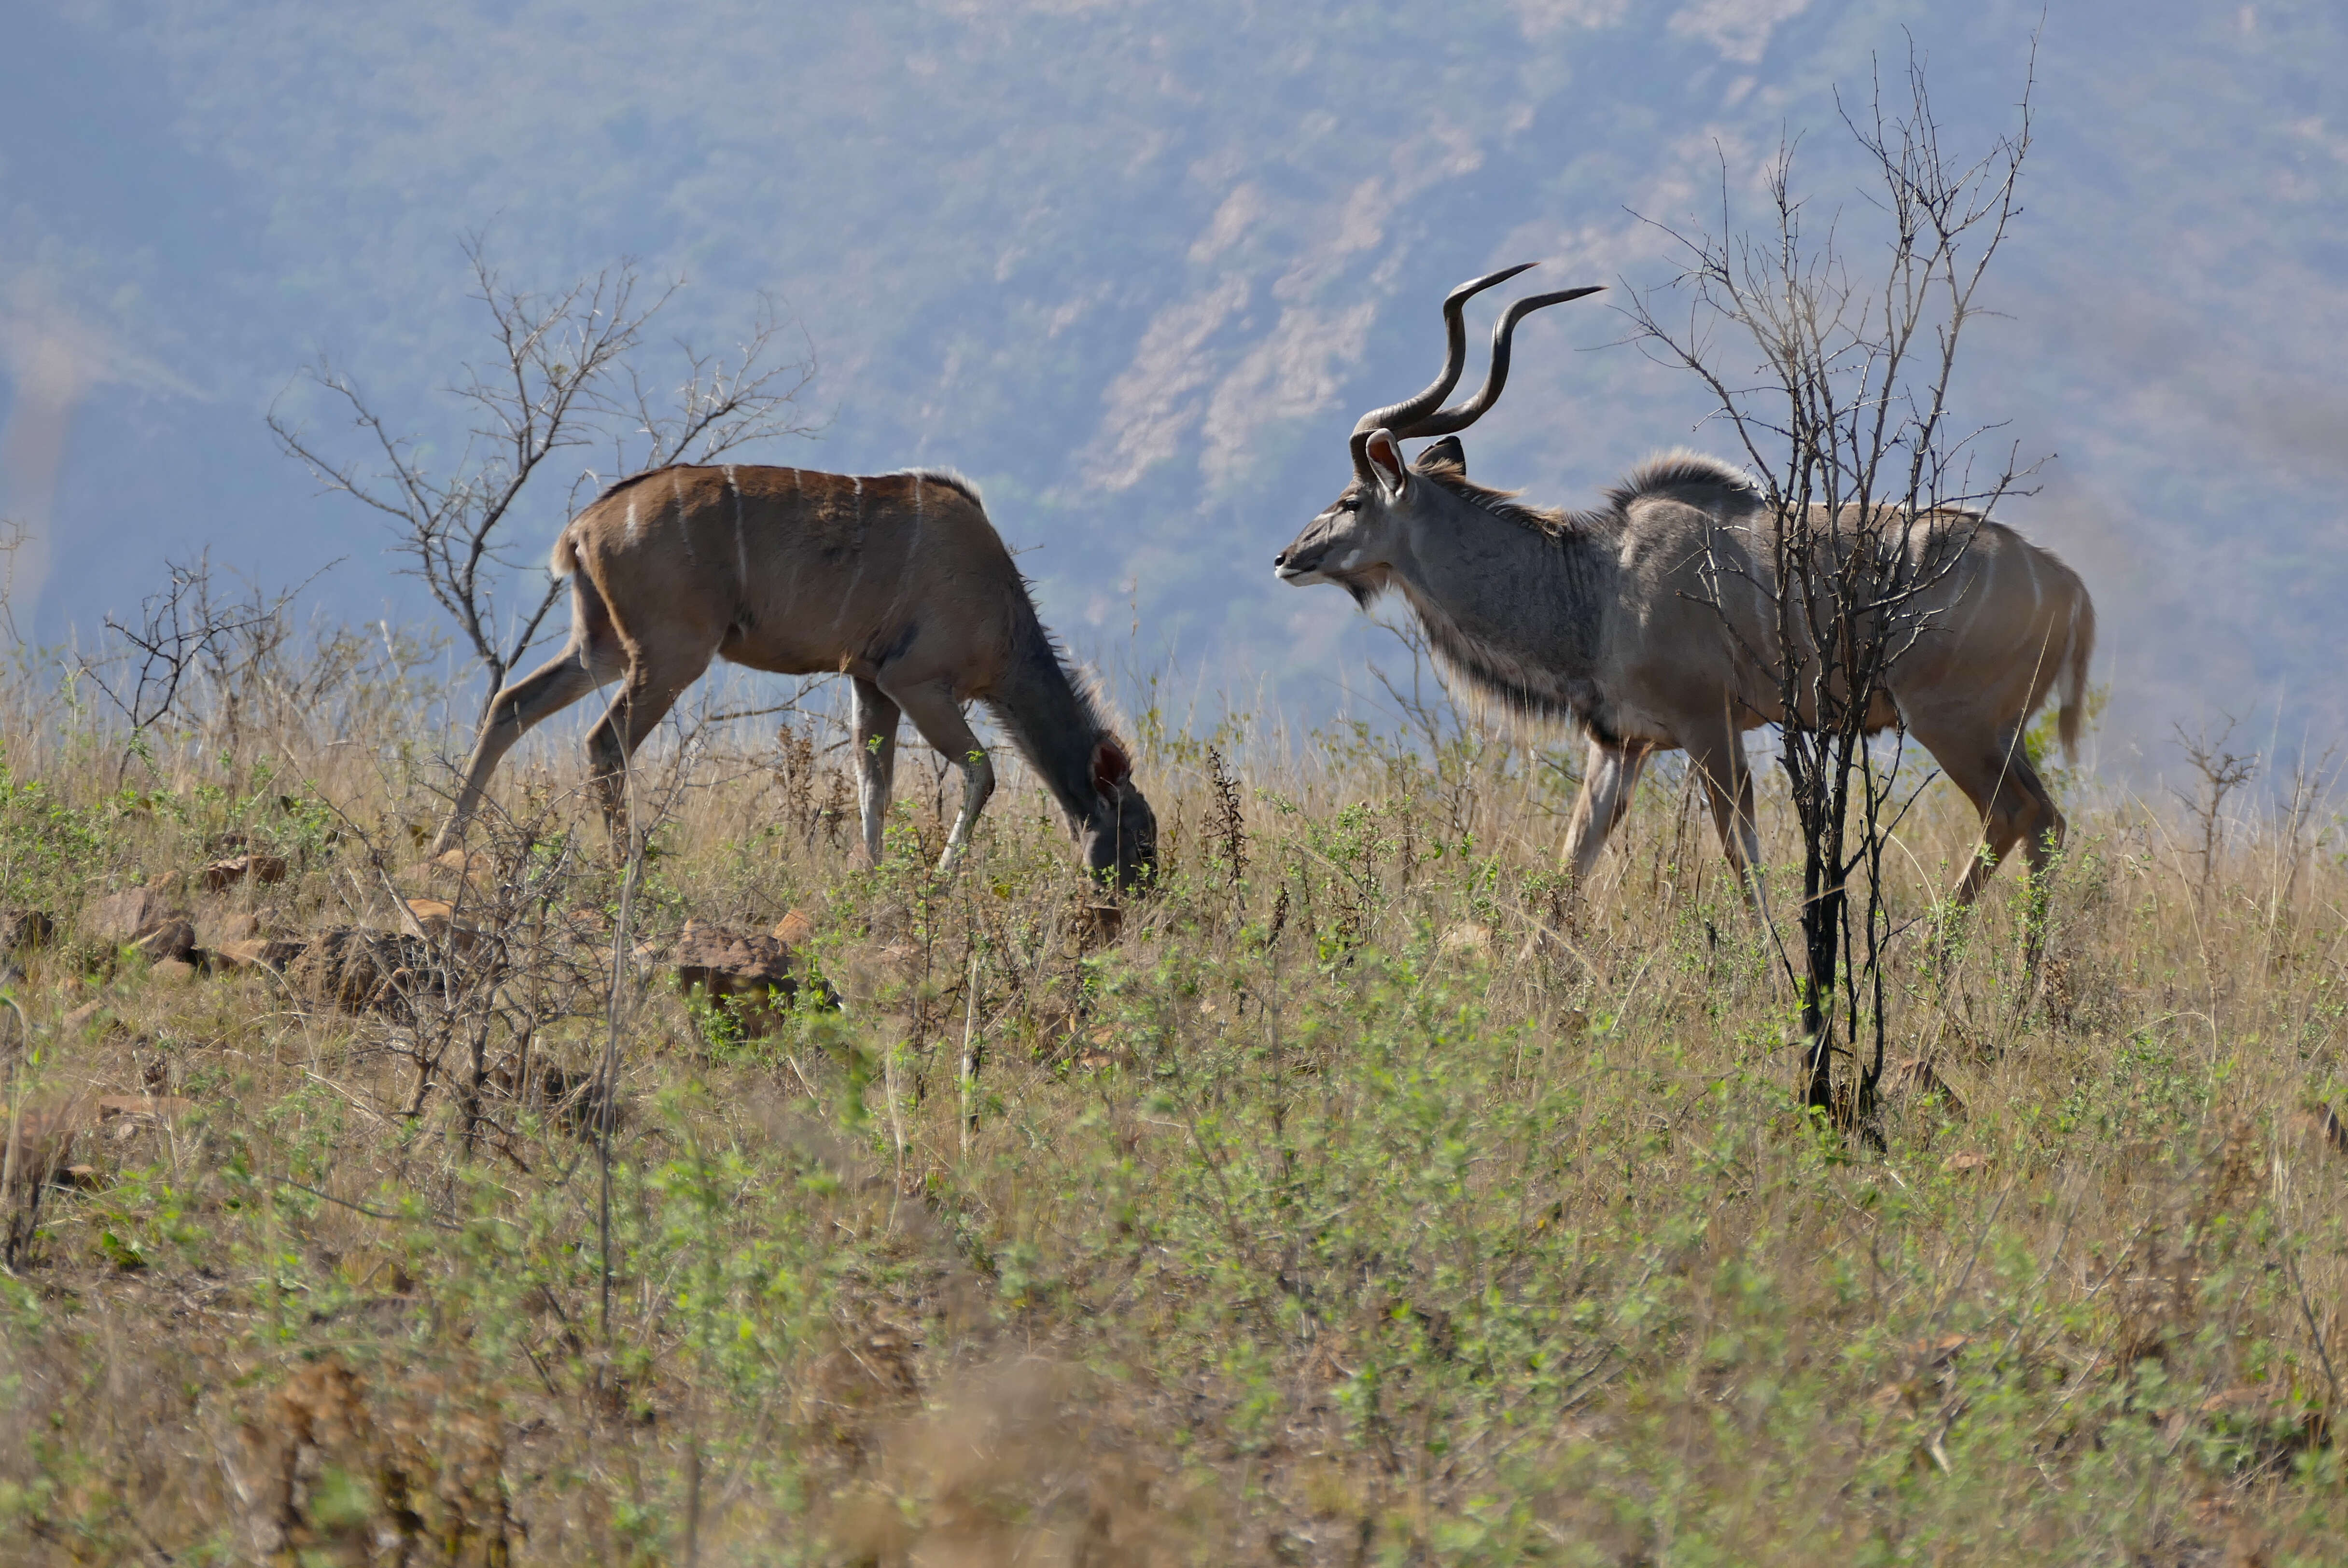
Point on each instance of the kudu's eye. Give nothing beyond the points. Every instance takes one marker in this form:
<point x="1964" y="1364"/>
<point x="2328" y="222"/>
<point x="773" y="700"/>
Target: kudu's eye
<point x="1349" y="503"/>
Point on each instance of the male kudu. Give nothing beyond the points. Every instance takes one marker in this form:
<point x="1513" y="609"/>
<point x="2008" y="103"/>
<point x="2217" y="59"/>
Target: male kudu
<point x="1651" y="621"/>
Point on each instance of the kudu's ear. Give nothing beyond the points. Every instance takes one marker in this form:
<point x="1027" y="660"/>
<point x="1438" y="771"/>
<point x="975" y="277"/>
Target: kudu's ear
<point x="1384" y="453"/>
<point x="1447" y="450"/>
<point x="1111" y="767"/>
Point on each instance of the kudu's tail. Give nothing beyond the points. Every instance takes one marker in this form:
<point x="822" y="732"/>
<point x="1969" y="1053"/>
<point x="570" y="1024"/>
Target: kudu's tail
<point x="566" y="554"/>
<point x="2075" y="659"/>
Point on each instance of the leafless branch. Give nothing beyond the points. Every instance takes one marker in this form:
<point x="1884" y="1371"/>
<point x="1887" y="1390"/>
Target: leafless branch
<point x="199" y="649"/>
<point x="565" y="372"/>
<point x="1845" y="414"/>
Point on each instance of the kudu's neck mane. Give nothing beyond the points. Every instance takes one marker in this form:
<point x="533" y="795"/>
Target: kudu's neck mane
<point x="1518" y="608"/>
<point x="1707" y="481"/>
<point x="1503" y="504"/>
<point x="1047" y="716"/>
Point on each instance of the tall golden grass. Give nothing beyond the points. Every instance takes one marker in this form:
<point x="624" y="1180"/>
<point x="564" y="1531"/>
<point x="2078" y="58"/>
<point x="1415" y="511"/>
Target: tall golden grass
<point x="1365" y="1194"/>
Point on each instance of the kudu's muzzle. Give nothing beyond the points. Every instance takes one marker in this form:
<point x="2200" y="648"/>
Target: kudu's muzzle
<point x="1298" y="561"/>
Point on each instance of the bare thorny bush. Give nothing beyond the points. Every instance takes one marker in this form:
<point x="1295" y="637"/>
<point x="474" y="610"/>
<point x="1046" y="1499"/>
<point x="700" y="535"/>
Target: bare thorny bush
<point x="1844" y="414"/>
<point x="225" y="658"/>
<point x="465" y="997"/>
<point x="565" y="373"/>
<point x="216" y="666"/>
<point x="2219" y="772"/>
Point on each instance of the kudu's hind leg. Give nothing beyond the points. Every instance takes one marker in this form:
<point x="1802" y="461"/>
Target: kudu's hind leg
<point x="650" y="691"/>
<point x="2015" y="806"/>
<point x="549" y="689"/>
<point x="1720" y="762"/>
<point x="875" y="721"/>
<point x="1610" y="778"/>
<point x="940" y="718"/>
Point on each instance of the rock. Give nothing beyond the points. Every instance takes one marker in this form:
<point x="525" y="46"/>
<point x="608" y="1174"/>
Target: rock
<point x="216" y="926"/>
<point x="140" y="919"/>
<point x="1103" y="1051"/>
<point x="1098" y="924"/>
<point x="81" y="1018"/>
<point x="118" y="919"/>
<point x="727" y="964"/>
<point x="260" y="867"/>
<point x="754" y="972"/>
<point x="22" y="929"/>
<point x="356" y="970"/>
<point x="173" y="972"/>
<point x="167" y="941"/>
<point x="793" y="929"/>
<point x="1956" y="1165"/>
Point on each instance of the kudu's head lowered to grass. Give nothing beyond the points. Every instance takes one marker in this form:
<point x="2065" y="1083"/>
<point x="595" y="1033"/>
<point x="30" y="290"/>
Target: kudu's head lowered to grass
<point x="898" y="581"/>
<point x="1360" y="539"/>
<point x="1118" y="839"/>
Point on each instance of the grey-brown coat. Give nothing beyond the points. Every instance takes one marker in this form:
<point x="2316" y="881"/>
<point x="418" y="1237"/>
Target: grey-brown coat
<point x="1651" y="620"/>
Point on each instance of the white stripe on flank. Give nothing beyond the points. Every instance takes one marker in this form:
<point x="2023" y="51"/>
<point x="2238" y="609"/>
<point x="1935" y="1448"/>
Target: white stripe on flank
<point x="1984" y="587"/>
<point x="633" y="529"/>
<point x="905" y="571"/>
<point x="857" y="548"/>
<point x="684" y="534"/>
<point x="741" y="550"/>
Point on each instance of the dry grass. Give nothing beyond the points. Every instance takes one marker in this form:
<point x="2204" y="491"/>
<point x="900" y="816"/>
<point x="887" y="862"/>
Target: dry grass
<point x="1371" y="1200"/>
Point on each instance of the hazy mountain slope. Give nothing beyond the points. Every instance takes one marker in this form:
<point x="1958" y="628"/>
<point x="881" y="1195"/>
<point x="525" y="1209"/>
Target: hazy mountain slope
<point x="1138" y="266"/>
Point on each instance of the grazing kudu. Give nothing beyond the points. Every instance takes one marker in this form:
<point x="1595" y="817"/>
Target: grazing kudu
<point x="898" y="581"/>
<point x="1651" y="620"/>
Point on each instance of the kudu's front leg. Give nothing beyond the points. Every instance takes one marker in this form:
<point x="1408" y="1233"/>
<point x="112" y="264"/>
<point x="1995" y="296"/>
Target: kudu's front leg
<point x="2017" y="810"/>
<point x="875" y="721"/>
<point x="940" y="718"/>
<point x="977" y="788"/>
<point x="1610" y="778"/>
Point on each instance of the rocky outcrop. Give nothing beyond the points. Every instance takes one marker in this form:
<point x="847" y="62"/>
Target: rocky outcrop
<point x="142" y="919"/>
<point x="756" y="977"/>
